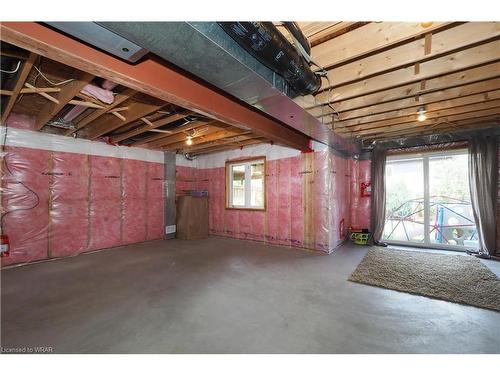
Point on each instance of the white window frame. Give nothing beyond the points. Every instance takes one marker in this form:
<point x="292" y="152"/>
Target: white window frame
<point x="425" y="156"/>
<point x="248" y="184"/>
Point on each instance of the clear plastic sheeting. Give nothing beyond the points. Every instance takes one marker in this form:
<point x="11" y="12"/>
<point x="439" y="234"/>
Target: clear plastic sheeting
<point x="498" y="204"/>
<point x="431" y="140"/>
<point x="20" y="134"/>
<point x="360" y="200"/>
<point x="25" y="204"/>
<point x="307" y="197"/>
<point x="61" y="204"/>
<point x="428" y="148"/>
<point x="340" y="214"/>
<point x="185" y="179"/>
<point x="57" y="204"/>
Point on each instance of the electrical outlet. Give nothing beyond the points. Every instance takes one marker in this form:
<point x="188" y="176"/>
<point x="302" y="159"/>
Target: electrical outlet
<point x="170" y="229"/>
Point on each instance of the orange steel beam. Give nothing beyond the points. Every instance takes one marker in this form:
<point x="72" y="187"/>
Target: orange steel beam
<point x="150" y="77"/>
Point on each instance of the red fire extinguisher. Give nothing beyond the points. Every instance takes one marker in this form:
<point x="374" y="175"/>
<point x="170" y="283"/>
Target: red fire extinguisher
<point x="4" y="245"/>
<point x="366" y="189"/>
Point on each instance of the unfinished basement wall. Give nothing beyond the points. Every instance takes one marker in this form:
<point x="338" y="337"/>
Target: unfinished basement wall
<point x="307" y="196"/>
<point x="498" y="204"/>
<point x="62" y="197"/>
<point x="360" y="170"/>
<point x="360" y="206"/>
<point x="257" y="226"/>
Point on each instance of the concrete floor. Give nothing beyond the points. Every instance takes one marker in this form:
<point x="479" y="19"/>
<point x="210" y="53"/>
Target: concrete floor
<point x="227" y="296"/>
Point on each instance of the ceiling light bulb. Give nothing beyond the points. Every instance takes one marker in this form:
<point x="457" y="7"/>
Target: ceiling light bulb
<point x="189" y="140"/>
<point x="421" y="115"/>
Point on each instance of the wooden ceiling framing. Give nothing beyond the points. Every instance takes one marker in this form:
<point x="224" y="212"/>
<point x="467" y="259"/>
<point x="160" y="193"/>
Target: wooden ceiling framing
<point x="381" y="73"/>
<point x="47" y="90"/>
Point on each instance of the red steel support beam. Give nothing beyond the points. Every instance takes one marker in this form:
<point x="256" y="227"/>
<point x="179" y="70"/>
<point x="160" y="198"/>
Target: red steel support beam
<point x="150" y="77"/>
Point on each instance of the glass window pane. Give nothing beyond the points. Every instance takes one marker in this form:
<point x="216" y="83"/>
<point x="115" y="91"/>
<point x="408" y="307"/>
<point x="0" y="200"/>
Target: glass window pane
<point x="257" y="189"/>
<point x="404" y="201"/>
<point x="451" y="221"/>
<point x="238" y="184"/>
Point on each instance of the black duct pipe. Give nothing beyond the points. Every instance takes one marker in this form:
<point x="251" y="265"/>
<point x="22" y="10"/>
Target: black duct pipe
<point x="264" y="42"/>
<point x="297" y="34"/>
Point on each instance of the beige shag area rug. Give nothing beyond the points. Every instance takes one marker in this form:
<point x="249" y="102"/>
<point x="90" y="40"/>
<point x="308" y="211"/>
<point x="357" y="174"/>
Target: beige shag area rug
<point x="455" y="278"/>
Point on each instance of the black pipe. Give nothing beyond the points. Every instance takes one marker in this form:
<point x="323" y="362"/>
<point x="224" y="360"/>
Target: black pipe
<point x="297" y="34"/>
<point x="264" y="42"/>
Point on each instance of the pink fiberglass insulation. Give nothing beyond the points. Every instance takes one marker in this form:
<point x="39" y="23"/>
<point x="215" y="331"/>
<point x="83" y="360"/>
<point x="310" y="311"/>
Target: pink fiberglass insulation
<point x="69" y="208"/>
<point x="321" y="195"/>
<point x="105" y="202"/>
<point x="185" y="180"/>
<point x="272" y="235"/>
<point x="201" y="179"/>
<point x="216" y="199"/>
<point x="296" y="202"/>
<point x="245" y="226"/>
<point x="340" y="198"/>
<point x="258" y="226"/>
<point x="284" y="202"/>
<point x="105" y="96"/>
<point x="134" y="206"/>
<point x="283" y="221"/>
<point x="25" y="200"/>
<point x="155" y="201"/>
<point x="74" y="112"/>
<point x="108" y="85"/>
<point x="360" y="206"/>
<point x="21" y="121"/>
<point x="58" y="204"/>
<point x="232" y="223"/>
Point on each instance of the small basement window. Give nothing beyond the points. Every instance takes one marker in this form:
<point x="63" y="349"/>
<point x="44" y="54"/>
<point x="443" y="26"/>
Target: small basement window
<point x="246" y="184"/>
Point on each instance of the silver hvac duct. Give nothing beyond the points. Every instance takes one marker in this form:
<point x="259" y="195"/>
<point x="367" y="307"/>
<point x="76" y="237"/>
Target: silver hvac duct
<point x="205" y="50"/>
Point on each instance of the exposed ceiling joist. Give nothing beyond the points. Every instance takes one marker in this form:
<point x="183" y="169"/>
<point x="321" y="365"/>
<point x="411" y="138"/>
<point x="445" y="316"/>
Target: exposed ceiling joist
<point x="368" y="39"/>
<point x="415" y="89"/>
<point x="119" y="99"/>
<point x="176" y="135"/>
<point x="179" y="139"/>
<point x="150" y="77"/>
<point x="484" y="109"/>
<point x="428" y="98"/>
<point x="135" y="111"/>
<point x="402" y="114"/>
<point x="207" y="137"/>
<point x="320" y="32"/>
<point x="25" y="71"/>
<point x="147" y="127"/>
<point x="233" y="140"/>
<point x="465" y="59"/>
<point x="67" y="93"/>
<point x="413" y="52"/>
<point x="479" y="122"/>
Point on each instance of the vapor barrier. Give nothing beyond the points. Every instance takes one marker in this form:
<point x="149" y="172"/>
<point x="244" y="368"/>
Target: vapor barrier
<point x="360" y="193"/>
<point x="307" y="197"/>
<point x="57" y="204"/>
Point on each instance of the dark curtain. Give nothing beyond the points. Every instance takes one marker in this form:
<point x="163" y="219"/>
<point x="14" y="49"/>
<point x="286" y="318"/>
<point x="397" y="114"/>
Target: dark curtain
<point x="378" y="194"/>
<point x="483" y="182"/>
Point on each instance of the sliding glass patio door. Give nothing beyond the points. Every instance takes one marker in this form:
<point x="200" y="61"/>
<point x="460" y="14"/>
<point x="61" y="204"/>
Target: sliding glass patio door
<point x="428" y="201"/>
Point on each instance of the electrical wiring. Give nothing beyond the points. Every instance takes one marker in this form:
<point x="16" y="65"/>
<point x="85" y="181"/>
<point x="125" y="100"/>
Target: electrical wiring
<point x="7" y="168"/>
<point x="322" y="73"/>
<point x="40" y="74"/>
<point x="12" y="71"/>
<point x="48" y="80"/>
<point x="190" y="157"/>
